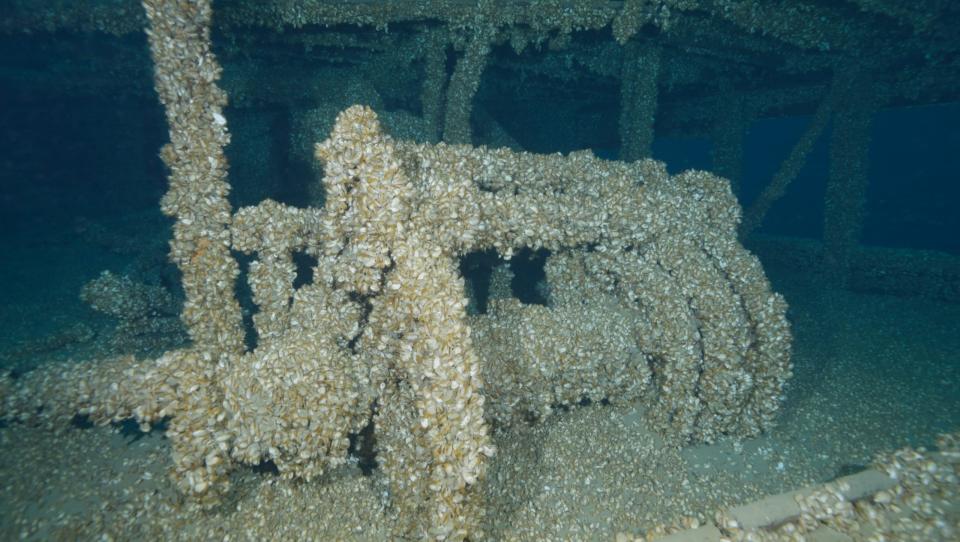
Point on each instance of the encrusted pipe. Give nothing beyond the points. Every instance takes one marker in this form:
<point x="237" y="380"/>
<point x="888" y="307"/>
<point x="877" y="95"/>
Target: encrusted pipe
<point x="185" y="76"/>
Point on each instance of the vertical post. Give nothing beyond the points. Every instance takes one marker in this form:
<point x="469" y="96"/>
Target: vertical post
<point x="640" y="73"/>
<point x="728" y="132"/>
<point x="464" y="84"/>
<point x="434" y="83"/>
<point x="846" y="196"/>
<point x="185" y="77"/>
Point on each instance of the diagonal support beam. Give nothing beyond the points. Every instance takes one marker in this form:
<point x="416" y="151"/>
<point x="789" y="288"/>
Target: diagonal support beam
<point x="755" y="215"/>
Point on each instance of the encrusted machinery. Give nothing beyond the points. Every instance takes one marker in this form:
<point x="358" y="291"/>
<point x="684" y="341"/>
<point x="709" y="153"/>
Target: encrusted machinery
<point x="650" y="298"/>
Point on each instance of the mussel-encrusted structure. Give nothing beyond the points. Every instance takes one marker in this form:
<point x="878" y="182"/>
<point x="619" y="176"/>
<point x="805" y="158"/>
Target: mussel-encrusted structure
<point x="650" y="297"/>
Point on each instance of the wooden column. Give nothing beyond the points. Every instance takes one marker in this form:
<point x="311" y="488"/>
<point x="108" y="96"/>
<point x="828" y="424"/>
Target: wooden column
<point x="463" y="86"/>
<point x="434" y="83"/>
<point x="640" y="72"/>
<point x="846" y="197"/>
<point x="728" y="132"/>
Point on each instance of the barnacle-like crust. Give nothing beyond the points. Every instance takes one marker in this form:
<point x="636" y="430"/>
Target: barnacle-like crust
<point x="649" y="297"/>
